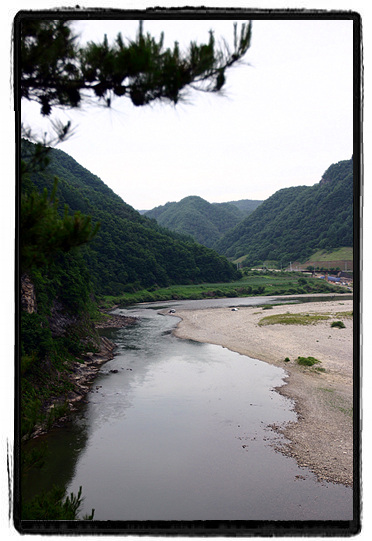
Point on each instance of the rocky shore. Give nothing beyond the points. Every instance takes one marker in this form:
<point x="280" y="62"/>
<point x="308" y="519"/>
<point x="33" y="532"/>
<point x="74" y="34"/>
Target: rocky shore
<point x="83" y="373"/>
<point x="115" y="321"/>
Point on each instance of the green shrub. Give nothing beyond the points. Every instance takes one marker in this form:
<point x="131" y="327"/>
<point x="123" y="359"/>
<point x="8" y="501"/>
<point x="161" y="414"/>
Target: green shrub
<point x="339" y="324"/>
<point x="231" y="293"/>
<point x="31" y="413"/>
<point x="53" y="506"/>
<point x="27" y="363"/>
<point x="36" y="335"/>
<point x="217" y="293"/>
<point x="307" y="361"/>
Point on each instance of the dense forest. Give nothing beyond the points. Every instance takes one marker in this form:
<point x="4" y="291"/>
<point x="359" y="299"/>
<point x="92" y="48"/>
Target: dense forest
<point x="246" y="206"/>
<point x="295" y="222"/>
<point x="205" y="222"/>
<point x="130" y="251"/>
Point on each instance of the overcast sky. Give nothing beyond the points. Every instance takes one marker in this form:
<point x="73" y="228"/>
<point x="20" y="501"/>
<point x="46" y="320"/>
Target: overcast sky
<point x="285" y="116"/>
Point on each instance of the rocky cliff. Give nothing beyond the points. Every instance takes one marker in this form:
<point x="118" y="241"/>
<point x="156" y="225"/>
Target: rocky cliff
<point x="28" y="296"/>
<point x="60" y="384"/>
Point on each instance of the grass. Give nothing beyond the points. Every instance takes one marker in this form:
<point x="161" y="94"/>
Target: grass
<point x="348" y="315"/>
<point x="337" y="402"/>
<point x="293" y="319"/>
<point x="344" y="253"/>
<point x="254" y="283"/>
<point x="304" y="319"/>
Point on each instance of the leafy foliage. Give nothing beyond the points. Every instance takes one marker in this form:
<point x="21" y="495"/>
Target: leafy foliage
<point x="43" y="232"/>
<point x="295" y="222"/>
<point x="55" y="506"/>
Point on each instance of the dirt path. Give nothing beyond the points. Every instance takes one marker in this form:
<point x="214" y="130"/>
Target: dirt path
<point x="322" y="439"/>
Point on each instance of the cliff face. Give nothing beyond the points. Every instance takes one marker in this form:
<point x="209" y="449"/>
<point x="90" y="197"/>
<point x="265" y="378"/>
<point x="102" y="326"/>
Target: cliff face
<point x="61" y="376"/>
<point x="60" y="321"/>
<point x="28" y="296"/>
<point x="62" y="373"/>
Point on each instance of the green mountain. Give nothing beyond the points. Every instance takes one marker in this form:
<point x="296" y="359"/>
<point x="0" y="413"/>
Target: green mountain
<point x="247" y="206"/>
<point x="205" y="222"/>
<point x="295" y="222"/>
<point x="130" y="251"/>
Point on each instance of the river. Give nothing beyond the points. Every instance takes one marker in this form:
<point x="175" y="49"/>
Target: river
<point x="178" y="430"/>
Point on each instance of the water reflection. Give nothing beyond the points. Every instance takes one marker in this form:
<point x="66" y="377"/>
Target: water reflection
<point x="190" y="440"/>
<point x="179" y="430"/>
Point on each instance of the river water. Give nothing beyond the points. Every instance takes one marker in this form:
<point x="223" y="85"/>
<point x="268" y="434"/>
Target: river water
<point x="178" y="430"/>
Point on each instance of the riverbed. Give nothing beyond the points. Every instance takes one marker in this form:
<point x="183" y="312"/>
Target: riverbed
<point x="179" y="430"/>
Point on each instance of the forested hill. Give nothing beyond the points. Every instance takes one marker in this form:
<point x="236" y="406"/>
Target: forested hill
<point x="130" y="250"/>
<point x="247" y="206"/>
<point x="205" y="222"/>
<point x="295" y="222"/>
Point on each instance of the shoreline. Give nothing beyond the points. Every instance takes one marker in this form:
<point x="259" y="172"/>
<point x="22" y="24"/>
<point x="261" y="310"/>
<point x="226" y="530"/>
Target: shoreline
<point x="83" y="374"/>
<point x="322" y="437"/>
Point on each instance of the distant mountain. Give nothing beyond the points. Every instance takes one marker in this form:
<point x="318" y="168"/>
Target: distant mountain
<point x="130" y="251"/>
<point x="295" y="222"/>
<point x="247" y="206"/>
<point x="205" y="222"/>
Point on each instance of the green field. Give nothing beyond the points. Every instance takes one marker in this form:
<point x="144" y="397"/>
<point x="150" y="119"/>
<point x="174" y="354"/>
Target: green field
<point x="339" y="254"/>
<point x="345" y="253"/>
<point x="254" y="283"/>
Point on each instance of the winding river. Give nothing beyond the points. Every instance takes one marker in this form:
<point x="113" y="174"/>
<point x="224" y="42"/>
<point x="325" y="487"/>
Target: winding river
<point x="178" y="430"/>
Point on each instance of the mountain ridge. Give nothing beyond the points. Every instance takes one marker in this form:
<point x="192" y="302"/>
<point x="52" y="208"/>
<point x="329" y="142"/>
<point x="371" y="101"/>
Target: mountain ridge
<point x="205" y="222"/>
<point x="295" y="222"/>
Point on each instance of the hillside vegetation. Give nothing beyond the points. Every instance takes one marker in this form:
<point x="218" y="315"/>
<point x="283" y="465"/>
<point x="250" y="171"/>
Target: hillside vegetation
<point x="344" y="253"/>
<point x="130" y="251"/>
<point x="205" y="222"/>
<point x="247" y="206"/>
<point x="295" y="222"/>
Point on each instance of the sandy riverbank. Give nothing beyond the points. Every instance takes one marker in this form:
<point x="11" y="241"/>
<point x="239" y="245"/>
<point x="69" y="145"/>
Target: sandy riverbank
<point x="322" y="438"/>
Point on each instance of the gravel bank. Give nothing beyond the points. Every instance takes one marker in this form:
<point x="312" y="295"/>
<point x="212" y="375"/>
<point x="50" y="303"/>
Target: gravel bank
<point x="322" y="437"/>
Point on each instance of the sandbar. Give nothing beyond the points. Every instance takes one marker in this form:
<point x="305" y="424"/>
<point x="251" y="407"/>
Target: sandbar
<point x="322" y="437"/>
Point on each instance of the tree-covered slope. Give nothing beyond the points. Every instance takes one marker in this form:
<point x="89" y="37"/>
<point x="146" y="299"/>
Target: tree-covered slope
<point x="130" y="250"/>
<point x="205" y="222"/>
<point x="295" y="222"/>
<point x="247" y="206"/>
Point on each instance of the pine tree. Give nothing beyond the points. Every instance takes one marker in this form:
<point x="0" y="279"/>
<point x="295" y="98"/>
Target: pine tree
<point x="55" y="71"/>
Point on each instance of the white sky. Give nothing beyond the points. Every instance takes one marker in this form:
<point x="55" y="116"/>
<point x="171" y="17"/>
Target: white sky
<point x="285" y="117"/>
